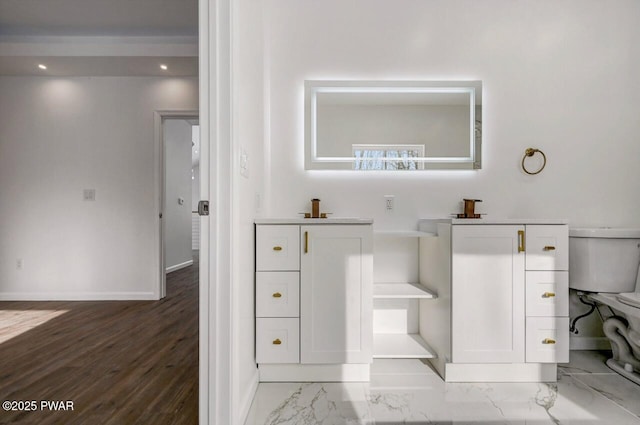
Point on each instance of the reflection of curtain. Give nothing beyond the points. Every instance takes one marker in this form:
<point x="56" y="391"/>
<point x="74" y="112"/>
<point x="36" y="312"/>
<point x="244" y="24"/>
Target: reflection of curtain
<point x="369" y="160"/>
<point x="357" y="163"/>
<point x="396" y="159"/>
<point x="404" y="161"/>
<point x="393" y="165"/>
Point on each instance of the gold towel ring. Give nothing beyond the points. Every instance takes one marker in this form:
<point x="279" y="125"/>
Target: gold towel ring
<point x="530" y="152"/>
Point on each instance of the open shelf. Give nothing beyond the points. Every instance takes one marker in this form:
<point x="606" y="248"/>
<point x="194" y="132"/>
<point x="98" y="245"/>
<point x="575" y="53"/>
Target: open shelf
<point x="404" y="233"/>
<point x="401" y="346"/>
<point x="401" y="290"/>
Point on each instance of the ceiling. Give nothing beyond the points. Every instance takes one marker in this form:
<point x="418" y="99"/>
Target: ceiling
<point x="99" y="17"/>
<point x="99" y="66"/>
<point x="99" y="37"/>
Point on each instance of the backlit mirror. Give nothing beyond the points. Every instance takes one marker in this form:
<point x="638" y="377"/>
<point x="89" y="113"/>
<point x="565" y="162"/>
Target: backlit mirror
<point x="393" y="125"/>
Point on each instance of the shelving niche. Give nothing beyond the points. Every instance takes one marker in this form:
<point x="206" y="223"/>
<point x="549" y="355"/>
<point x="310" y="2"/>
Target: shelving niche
<point x="399" y="295"/>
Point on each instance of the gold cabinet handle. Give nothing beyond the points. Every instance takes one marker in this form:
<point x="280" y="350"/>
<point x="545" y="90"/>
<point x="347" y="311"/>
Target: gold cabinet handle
<point x="306" y="242"/>
<point x="549" y="248"/>
<point x="548" y="295"/>
<point x="277" y="341"/>
<point x="277" y="248"/>
<point x="277" y="295"/>
<point x="548" y="341"/>
<point x="521" y="246"/>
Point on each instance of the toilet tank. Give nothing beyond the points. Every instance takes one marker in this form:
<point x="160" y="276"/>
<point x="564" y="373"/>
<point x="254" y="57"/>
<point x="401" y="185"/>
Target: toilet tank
<point x="604" y="259"/>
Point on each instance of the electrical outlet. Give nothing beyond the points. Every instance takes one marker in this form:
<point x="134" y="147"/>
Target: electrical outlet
<point x="19" y="264"/>
<point x="389" y="203"/>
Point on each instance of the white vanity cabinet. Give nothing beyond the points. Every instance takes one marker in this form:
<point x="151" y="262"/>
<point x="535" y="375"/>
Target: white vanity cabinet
<point x="488" y="287"/>
<point x="336" y="273"/>
<point x="314" y="299"/>
<point x="509" y="300"/>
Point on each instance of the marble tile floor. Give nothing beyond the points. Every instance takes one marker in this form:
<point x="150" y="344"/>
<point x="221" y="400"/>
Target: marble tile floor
<point x="408" y="392"/>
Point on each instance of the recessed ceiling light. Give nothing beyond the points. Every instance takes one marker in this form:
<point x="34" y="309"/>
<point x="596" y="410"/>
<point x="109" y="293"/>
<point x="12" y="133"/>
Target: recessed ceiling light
<point x="41" y="66"/>
<point x="164" y="67"/>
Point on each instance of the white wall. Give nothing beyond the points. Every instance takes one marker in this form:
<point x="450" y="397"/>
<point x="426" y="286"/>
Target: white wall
<point x="248" y="141"/>
<point x="59" y="136"/>
<point x="561" y="77"/>
<point x="177" y="217"/>
<point x="558" y="76"/>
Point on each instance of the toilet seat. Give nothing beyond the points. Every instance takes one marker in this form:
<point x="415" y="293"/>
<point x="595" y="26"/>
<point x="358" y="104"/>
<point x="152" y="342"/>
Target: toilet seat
<point x="630" y="298"/>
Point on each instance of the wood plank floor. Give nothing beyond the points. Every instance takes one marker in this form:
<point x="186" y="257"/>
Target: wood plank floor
<point x="120" y="362"/>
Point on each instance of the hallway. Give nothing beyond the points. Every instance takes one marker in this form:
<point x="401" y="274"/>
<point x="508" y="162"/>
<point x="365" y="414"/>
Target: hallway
<point x="119" y="362"/>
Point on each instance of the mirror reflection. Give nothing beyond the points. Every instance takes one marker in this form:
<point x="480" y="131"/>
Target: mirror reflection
<point x="393" y="125"/>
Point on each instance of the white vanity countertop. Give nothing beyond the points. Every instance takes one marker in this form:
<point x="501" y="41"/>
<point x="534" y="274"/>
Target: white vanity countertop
<point x="495" y="220"/>
<point x="337" y="220"/>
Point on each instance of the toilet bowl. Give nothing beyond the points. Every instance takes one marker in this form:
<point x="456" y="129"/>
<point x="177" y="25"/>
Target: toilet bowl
<point x="630" y="298"/>
<point x="605" y="263"/>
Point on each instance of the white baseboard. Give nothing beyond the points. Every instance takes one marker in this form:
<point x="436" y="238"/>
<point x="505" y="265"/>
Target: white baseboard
<point x="288" y="372"/>
<point x="501" y="372"/>
<point x="589" y="343"/>
<point x="179" y="266"/>
<point x="77" y="296"/>
<point x="247" y="398"/>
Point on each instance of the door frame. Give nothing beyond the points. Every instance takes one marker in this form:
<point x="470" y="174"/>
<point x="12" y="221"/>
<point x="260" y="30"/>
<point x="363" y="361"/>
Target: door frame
<point x="216" y="389"/>
<point x="160" y="291"/>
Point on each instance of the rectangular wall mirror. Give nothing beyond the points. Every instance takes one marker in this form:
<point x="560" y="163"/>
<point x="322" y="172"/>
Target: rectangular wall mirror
<point x="393" y="125"/>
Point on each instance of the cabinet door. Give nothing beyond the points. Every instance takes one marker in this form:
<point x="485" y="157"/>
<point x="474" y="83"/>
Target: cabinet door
<point x="547" y="294"/>
<point x="277" y="247"/>
<point x="277" y="340"/>
<point x="547" y="247"/>
<point x="488" y="317"/>
<point x="336" y="294"/>
<point x="277" y="294"/>
<point x="548" y="339"/>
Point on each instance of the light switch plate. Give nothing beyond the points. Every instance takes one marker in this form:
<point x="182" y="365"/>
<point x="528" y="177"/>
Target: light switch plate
<point x="258" y="203"/>
<point x="244" y="163"/>
<point x="89" y="194"/>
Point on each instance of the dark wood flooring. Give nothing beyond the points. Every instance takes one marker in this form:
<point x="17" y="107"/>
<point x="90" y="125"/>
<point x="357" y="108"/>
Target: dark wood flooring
<point x="120" y="362"/>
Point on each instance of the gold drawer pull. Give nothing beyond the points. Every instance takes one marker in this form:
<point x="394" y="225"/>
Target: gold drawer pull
<point x="549" y="248"/>
<point x="521" y="242"/>
<point x="277" y="295"/>
<point x="277" y="341"/>
<point x="277" y="248"/>
<point x="548" y="341"/>
<point x="548" y="295"/>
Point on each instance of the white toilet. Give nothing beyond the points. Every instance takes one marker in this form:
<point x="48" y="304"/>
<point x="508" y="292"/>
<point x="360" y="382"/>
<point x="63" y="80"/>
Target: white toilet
<point x="605" y="263"/>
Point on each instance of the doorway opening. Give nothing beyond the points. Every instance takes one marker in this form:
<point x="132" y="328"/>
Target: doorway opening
<point x="179" y="161"/>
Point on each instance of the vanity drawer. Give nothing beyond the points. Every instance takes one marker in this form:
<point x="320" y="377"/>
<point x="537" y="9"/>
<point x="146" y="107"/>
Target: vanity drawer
<point x="277" y="247"/>
<point x="277" y="294"/>
<point x="277" y="340"/>
<point x="547" y="340"/>
<point x="547" y="293"/>
<point x="547" y="247"/>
